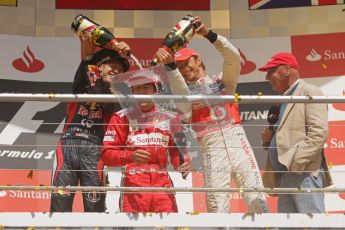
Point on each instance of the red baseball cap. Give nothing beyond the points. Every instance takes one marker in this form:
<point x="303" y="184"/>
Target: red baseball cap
<point x="184" y="54"/>
<point x="280" y="59"/>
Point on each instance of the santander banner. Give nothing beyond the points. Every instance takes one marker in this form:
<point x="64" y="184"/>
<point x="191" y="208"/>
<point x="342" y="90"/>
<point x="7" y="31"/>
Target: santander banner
<point x="38" y="59"/>
<point x="20" y="200"/>
<point x="29" y="201"/>
<point x="321" y="55"/>
<point x="144" y="49"/>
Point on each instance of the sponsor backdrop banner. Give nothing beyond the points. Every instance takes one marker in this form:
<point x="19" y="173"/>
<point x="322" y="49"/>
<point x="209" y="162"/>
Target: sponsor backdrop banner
<point x="38" y="59"/>
<point x="29" y="131"/>
<point x="29" y="201"/>
<point x="254" y="53"/>
<point x="144" y="49"/>
<point x="134" y="4"/>
<point x="320" y="55"/>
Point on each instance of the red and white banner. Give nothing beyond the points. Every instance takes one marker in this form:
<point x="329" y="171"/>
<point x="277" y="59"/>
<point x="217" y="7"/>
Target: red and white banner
<point x="29" y="201"/>
<point x="321" y="55"/>
<point x="143" y="49"/>
<point x="134" y="4"/>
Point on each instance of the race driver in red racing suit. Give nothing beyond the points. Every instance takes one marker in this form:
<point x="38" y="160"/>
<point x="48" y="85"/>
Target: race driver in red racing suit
<point x="140" y="140"/>
<point x="225" y="149"/>
<point x="79" y="148"/>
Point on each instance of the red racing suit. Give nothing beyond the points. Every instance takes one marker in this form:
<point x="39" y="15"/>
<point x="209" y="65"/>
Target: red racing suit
<point x="154" y="131"/>
<point x="225" y="149"/>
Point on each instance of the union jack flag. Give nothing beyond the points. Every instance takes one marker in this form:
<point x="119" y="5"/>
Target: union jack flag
<point x="270" y="4"/>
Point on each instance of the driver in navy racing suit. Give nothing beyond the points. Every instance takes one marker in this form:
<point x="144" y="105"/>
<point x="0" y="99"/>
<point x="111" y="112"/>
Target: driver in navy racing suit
<point x="79" y="148"/>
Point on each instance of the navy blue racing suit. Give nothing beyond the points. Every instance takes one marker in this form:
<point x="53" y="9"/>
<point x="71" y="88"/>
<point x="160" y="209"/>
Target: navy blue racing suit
<point x="78" y="152"/>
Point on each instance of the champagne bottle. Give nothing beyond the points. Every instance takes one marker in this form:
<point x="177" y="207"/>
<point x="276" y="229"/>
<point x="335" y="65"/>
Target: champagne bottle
<point x="101" y="36"/>
<point x="181" y="34"/>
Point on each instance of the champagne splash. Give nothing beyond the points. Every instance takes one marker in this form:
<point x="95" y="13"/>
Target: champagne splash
<point x="135" y="61"/>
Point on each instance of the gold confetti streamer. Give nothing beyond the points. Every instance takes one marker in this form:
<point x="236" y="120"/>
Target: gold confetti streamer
<point x="195" y="213"/>
<point x="237" y="97"/>
<point x="30" y="174"/>
<point x="51" y="95"/>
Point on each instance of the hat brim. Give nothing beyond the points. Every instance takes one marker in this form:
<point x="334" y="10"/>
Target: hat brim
<point x="124" y="62"/>
<point x="266" y="67"/>
<point x="105" y="56"/>
<point x="183" y="57"/>
<point x="139" y="81"/>
<point x="186" y="55"/>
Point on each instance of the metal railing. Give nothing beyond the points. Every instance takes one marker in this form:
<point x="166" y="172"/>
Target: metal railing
<point x="245" y="99"/>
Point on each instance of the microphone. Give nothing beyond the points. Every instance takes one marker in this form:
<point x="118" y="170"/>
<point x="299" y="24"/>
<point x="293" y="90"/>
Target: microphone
<point x="272" y="118"/>
<point x="180" y="141"/>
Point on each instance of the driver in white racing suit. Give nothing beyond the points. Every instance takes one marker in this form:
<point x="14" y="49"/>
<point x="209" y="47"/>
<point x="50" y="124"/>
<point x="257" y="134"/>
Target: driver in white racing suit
<point x="225" y="150"/>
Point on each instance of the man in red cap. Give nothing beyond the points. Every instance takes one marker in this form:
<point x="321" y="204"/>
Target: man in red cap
<point x="140" y="139"/>
<point x="295" y="155"/>
<point x="225" y="149"/>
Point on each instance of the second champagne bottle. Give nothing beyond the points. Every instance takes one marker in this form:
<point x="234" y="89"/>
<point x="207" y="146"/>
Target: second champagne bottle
<point x="179" y="36"/>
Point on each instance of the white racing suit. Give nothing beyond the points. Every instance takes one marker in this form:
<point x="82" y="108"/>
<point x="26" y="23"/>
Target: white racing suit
<point x="225" y="150"/>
